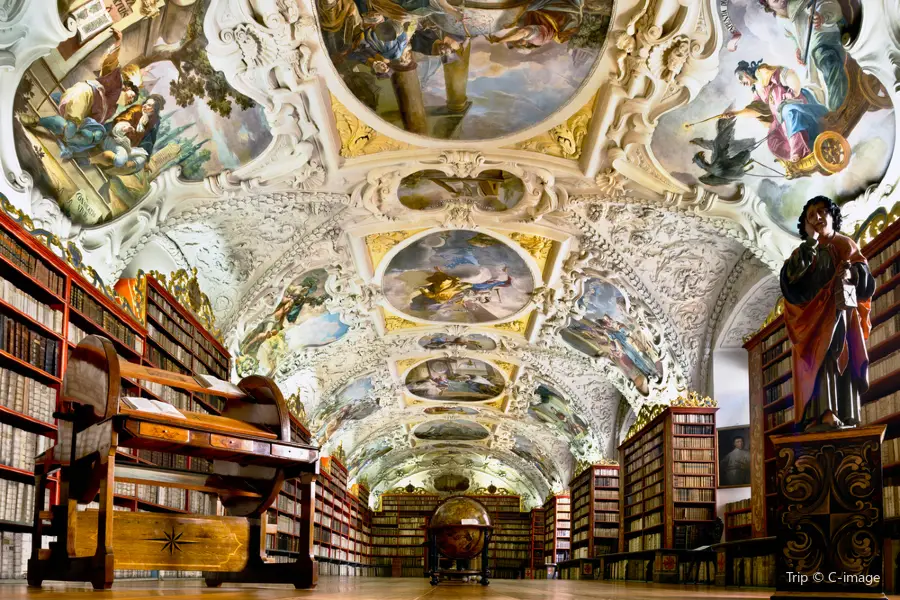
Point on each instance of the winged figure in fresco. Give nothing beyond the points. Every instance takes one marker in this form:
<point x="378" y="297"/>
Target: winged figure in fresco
<point x="730" y="159"/>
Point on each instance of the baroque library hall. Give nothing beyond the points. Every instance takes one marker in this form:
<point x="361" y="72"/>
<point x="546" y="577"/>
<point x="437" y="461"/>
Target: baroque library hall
<point x="449" y="299"/>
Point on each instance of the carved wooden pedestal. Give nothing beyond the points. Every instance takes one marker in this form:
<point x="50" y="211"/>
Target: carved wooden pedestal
<point x="830" y="516"/>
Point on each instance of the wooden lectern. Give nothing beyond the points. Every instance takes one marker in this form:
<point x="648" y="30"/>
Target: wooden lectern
<point x="249" y="449"/>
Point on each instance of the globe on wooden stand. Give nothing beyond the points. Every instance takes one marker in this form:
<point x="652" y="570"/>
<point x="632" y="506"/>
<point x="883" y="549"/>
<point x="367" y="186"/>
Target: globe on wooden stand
<point x="459" y="529"/>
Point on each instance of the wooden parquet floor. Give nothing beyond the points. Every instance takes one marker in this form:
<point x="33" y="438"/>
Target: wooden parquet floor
<point x="361" y="588"/>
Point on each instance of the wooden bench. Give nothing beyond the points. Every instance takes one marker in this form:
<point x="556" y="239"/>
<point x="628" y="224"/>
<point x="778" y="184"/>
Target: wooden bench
<point x="248" y="446"/>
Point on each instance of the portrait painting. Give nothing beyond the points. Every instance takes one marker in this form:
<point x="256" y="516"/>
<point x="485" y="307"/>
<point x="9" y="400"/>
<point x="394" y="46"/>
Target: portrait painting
<point x="353" y="403"/>
<point x="450" y="410"/>
<point x="492" y="190"/>
<point x="449" y="69"/>
<point x="553" y="410"/>
<point x="458" y="276"/>
<point x="451" y="482"/>
<point x="460" y="379"/>
<point x="734" y="456"/>
<point x="457" y="430"/>
<point x="104" y="115"/>
<point x="298" y="321"/>
<point x="473" y="342"/>
<point x="606" y="330"/>
<point x="790" y="115"/>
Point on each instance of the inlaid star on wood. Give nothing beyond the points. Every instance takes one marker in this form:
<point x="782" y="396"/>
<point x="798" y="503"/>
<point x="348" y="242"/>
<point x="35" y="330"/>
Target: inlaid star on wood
<point x="171" y="541"/>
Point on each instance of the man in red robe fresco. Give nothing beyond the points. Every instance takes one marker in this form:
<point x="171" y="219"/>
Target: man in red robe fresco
<point x="827" y="288"/>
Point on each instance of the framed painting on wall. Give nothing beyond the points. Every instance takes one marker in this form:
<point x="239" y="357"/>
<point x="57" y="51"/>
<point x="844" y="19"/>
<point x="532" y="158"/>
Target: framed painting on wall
<point x="734" y="456"/>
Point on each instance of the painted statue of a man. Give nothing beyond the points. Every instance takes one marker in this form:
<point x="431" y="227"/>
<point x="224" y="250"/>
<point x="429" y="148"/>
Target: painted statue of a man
<point x="827" y="288"/>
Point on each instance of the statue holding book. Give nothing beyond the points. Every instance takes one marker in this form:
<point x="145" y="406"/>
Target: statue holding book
<point x="827" y="288"/>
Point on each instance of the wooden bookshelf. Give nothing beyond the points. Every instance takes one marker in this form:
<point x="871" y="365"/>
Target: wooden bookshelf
<point x="771" y="384"/>
<point x="557" y="530"/>
<point x="49" y="307"/>
<point x="595" y="511"/>
<point x="738" y="517"/>
<point x="399" y="533"/>
<point x="669" y="485"/>
<point x="510" y="545"/>
<point x="538" y="538"/>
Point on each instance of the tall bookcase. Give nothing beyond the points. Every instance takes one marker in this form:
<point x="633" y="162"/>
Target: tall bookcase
<point x="46" y="308"/>
<point x="399" y="534"/>
<point x="538" y="539"/>
<point x="510" y="544"/>
<point x="595" y="511"/>
<point x="669" y="487"/>
<point x="557" y="530"/>
<point x="771" y="383"/>
<point x="342" y="523"/>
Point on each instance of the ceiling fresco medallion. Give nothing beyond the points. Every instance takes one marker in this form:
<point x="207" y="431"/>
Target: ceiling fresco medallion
<point x="491" y="190"/>
<point x="451" y="410"/>
<point x="99" y="119"/>
<point x="606" y="330"/>
<point x="451" y="69"/>
<point x="445" y="341"/>
<point x="370" y="453"/>
<point x="551" y="408"/>
<point x="456" y="430"/>
<point x="353" y="403"/>
<point x="299" y="321"/>
<point x="458" y="276"/>
<point x="787" y="119"/>
<point x="456" y="379"/>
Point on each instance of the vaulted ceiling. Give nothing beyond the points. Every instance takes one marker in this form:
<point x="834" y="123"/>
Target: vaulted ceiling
<point x="468" y="239"/>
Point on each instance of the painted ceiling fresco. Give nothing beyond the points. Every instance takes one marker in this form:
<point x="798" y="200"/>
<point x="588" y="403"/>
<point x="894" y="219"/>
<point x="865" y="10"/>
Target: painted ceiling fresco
<point x="459" y="379"/>
<point x="97" y="122"/>
<point x="466" y="238"/>
<point x="451" y="431"/>
<point x="789" y="115"/>
<point x="298" y="321"/>
<point x="454" y="70"/>
<point x="458" y="276"/>
<point x="492" y="190"/>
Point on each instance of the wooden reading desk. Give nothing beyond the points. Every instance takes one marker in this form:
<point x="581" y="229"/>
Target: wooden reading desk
<point x="249" y="450"/>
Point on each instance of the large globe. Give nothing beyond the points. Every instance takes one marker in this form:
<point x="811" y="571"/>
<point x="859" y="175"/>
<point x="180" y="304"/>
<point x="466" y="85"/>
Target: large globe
<point x="460" y="527"/>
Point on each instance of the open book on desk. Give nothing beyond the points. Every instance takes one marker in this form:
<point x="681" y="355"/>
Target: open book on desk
<point x="214" y="384"/>
<point x="152" y="406"/>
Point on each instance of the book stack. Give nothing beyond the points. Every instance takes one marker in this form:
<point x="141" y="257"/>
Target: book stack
<point x="15" y="550"/>
<point x="18" y="448"/>
<point x="28" y="345"/>
<point x="20" y="257"/>
<point x="25" y="303"/>
<point x="27" y="396"/>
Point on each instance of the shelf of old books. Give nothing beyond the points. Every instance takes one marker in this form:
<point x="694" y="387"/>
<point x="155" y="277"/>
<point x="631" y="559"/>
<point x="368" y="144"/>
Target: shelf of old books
<point x="771" y="383"/>
<point x="668" y="491"/>
<point x="738" y="520"/>
<point x="399" y="533"/>
<point x="510" y="545"/>
<point x="342" y="524"/>
<point x="595" y="511"/>
<point x="536" y="568"/>
<point x="557" y="530"/>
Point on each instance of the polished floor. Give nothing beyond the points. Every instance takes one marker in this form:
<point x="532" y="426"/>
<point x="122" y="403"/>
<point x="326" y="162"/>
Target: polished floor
<point x="359" y="588"/>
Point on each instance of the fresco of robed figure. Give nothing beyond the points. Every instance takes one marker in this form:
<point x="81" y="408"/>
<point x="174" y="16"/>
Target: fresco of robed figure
<point x="461" y="379"/>
<point x="607" y="330"/>
<point x="452" y="69"/>
<point x="458" y="276"/>
<point x="97" y="121"/>
<point x="789" y="115"/>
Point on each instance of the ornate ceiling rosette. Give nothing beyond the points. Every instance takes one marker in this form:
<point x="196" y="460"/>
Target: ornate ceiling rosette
<point x="431" y="220"/>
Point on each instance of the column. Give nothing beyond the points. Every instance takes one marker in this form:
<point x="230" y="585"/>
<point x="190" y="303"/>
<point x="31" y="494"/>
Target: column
<point x="409" y="98"/>
<point x="456" y="77"/>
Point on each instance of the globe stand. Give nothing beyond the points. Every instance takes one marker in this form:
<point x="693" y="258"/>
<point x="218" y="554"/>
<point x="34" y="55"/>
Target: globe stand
<point x="434" y="562"/>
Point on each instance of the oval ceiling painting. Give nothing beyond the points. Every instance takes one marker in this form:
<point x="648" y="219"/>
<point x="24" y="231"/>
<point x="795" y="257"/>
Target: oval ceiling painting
<point x="445" y="341"/>
<point x="459" y="379"/>
<point x="452" y="69"/>
<point x="106" y="114"/>
<point x="458" y="276"/>
<point x="493" y="190"/>
<point x="456" y="430"/>
<point x="450" y="410"/>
